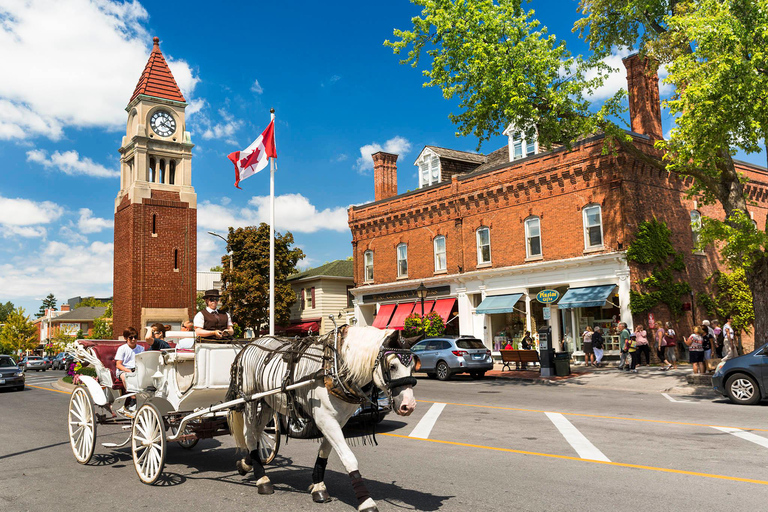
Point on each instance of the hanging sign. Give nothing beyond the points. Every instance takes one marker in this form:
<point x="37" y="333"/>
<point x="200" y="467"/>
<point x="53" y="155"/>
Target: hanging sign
<point x="547" y="296"/>
<point x="546" y="312"/>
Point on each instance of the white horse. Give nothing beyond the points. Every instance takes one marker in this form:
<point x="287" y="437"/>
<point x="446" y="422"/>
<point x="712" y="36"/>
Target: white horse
<point x="362" y="355"/>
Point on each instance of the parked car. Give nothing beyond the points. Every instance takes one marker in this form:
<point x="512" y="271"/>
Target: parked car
<point x="33" y="363"/>
<point x="62" y="361"/>
<point x="743" y="379"/>
<point x="48" y="362"/>
<point x="11" y="376"/>
<point x="445" y="356"/>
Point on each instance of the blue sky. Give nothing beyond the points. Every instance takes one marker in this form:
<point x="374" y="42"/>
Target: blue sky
<point x="70" y="67"/>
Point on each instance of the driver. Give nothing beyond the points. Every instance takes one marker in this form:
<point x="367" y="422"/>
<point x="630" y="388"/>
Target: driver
<point x="210" y="323"/>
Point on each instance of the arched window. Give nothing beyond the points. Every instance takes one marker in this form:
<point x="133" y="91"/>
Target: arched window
<point x="440" y="262"/>
<point x="162" y="172"/>
<point x="402" y="260"/>
<point x="483" y="245"/>
<point x="151" y="170"/>
<point x="695" y="227"/>
<point x="368" y="261"/>
<point x="593" y="226"/>
<point x="532" y="237"/>
<point x="172" y="172"/>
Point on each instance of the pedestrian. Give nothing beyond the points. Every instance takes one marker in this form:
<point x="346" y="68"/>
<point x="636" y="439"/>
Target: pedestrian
<point x="527" y="342"/>
<point x="641" y="341"/>
<point x="661" y="345"/>
<point x="729" y="340"/>
<point x="696" y="349"/>
<point x="708" y="341"/>
<point x="597" y="345"/>
<point x="632" y="353"/>
<point x="718" y="331"/>
<point x="624" y="336"/>
<point x="670" y="350"/>
<point x="589" y="354"/>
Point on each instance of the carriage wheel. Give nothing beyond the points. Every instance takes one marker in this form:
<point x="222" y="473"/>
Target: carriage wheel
<point x="81" y="425"/>
<point x="148" y="443"/>
<point x="269" y="442"/>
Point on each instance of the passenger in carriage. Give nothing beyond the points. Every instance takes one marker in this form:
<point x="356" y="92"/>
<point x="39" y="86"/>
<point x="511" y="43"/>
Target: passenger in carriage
<point x="212" y="324"/>
<point x="156" y="336"/>
<point x="125" y="358"/>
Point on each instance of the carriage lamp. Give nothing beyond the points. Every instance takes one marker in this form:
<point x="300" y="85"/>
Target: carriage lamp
<point x="421" y="293"/>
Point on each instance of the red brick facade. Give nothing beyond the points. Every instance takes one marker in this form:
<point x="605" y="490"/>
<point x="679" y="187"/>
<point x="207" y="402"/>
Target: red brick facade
<point x="384" y="175"/>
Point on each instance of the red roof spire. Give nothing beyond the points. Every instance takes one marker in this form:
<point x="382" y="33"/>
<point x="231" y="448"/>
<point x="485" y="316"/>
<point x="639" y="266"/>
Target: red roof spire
<point x="157" y="80"/>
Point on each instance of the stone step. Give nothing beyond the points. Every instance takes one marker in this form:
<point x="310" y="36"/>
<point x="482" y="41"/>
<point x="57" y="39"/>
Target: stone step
<point x="699" y="379"/>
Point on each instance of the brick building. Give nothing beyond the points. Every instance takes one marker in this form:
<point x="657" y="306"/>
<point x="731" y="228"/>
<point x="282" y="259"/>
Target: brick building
<point x="486" y="233"/>
<point x="156" y="207"/>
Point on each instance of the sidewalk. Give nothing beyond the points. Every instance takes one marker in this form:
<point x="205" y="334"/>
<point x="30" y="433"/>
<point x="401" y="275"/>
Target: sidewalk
<point x="648" y="379"/>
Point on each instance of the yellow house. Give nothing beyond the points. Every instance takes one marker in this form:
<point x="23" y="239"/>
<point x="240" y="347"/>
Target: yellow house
<point x="320" y="292"/>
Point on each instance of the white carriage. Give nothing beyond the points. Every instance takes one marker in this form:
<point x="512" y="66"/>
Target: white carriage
<point x="175" y="396"/>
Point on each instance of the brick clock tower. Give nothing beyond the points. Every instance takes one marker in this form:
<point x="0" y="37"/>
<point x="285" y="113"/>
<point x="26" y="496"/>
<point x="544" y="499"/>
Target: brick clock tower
<point x="156" y="208"/>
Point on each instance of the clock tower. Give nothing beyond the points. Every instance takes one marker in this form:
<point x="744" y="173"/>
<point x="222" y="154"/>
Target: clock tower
<point x="155" y="266"/>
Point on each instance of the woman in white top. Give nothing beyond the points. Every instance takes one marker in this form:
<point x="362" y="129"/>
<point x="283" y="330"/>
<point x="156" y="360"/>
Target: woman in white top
<point x="589" y="353"/>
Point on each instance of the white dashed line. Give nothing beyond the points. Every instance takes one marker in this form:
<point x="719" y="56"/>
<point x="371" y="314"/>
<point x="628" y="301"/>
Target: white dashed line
<point x="747" y="436"/>
<point x="677" y="401"/>
<point x="424" y="426"/>
<point x="576" y="439"/>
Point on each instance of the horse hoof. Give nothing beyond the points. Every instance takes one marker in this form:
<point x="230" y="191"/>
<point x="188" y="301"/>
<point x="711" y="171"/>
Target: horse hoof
<point x="321" y="496"/>
<point x="265" y="488"/>
<point x="242" y="468"/>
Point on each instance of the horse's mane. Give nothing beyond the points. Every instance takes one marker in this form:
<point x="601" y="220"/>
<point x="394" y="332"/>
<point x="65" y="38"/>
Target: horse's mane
<point x="360" y="350"/>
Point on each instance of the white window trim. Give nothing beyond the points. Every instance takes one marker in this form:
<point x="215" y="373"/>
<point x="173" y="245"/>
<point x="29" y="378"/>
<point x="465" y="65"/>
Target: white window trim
<point x="479" y="247"/>
<point x="425" y="158"/>
<point x="365" y="267"/>
<point x="397" y="252"/>
<point x="445" y="253"/>
<point x="510" y="132"/>
<point x="528" y="254"/>
<point x="585" y="228"/>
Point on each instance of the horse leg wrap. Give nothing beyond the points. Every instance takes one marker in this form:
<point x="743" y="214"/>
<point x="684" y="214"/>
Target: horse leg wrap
<point x="263" y="485"/>
<point x="361" y="492"/>
<point x="318" y="474"/>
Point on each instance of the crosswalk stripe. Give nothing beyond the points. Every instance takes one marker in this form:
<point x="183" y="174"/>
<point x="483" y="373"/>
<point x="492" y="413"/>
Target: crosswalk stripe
<point x="747" y="436"/>
<point x="424" y="426"/>
<point x="576" y="439"/>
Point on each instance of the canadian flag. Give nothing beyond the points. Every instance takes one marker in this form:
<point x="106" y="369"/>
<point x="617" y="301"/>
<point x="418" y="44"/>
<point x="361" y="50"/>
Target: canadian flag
<point x="256" y="156"/>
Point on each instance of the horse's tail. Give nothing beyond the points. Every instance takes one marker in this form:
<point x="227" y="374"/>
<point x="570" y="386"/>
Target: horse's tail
<point x="236" y="424"/>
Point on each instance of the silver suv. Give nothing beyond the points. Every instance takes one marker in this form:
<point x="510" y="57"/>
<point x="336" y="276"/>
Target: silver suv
<point x="445" y="356"/>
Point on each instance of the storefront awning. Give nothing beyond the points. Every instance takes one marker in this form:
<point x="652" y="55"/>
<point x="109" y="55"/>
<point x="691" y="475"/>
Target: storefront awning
<point x="587" y="297"/>
<point x="443" y="307"/>
<point x="383" y="316"/>
<point x="301" y="328"/>
<point x="498" y="304"/>
<point x="401" y="313"/>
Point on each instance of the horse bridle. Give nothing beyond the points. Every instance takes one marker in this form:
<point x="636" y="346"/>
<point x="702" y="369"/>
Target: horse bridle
<point x="405" y="356"/>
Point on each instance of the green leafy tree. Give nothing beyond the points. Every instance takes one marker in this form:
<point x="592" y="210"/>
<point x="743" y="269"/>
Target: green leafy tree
<point x="19" y="333"/>
<point x="217" y="268"/>
<point x="504" y="67"/>
<point x="92" y="302"/>
<point x="732" y="297"/>
<point x="48" y="303"/>
<point x="246" y="286"/>
<point x="5" y="310"/>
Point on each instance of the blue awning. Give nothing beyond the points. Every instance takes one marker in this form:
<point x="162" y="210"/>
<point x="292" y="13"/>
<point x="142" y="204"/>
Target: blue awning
<point x="587" y="297"/>
<point x="498" y="304"/>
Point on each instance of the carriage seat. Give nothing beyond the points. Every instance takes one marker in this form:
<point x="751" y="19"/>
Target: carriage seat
<point x="105" y="350"/>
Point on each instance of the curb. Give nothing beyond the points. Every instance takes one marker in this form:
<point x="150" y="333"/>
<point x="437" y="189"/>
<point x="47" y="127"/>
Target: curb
<point x="63" y="386"/>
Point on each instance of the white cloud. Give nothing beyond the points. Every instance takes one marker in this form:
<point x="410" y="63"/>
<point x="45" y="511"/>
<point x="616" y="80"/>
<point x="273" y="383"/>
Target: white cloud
<point x="617" y="79"/>
<point x="396" y="145"/>
<point x="256" y="87"/>
<point x="194" y="107"/>
<point x="293" y="212"/>
<point x="95" y="49"/>
<point x="224" y="130"/>
<point x="22" y="216"/>
<point x="70" y="163"/>
<point x="90" y="224"/>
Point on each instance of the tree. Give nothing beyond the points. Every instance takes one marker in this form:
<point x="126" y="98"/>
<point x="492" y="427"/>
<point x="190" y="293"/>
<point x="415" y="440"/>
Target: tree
<point x="217" y="268"/>
<point x="92" y="302"/>
<point x="504" y="67"/>
<point x="5" y="310"/>
<point x="102" y="326"/>
<point x="19" y="334"/>
<point x="48" y="303"/>
<point x="246" y="287"/>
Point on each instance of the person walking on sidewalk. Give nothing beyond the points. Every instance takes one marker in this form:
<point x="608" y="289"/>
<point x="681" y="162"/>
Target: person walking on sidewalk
<point x="624" y="336"/>
<point x="632" y="353"/>
<point x="708" y="341"/>
<point x="641" y="341"/>
<point x="597" y="345"/>
<point x="696" y="349"/>
<point x="671" y="347"/>
<point x="587" y="347"/>
<point x="661" y="346"/>
<point x="718" y="332"/>
<point x="729" y="340"/>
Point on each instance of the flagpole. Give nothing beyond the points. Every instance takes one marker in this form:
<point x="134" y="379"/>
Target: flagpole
<point x="272" y="240"/>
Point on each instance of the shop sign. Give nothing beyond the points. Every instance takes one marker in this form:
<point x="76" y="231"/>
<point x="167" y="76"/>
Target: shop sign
<point x="546" y="312"/>
<point x="437" y="291"/>
<point x="547" y="296"/>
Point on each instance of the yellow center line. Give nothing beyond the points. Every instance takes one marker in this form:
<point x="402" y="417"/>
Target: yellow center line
<point x="48" y="389"/>
<point x="566" y="457"/>
<point x="594" y="416"/>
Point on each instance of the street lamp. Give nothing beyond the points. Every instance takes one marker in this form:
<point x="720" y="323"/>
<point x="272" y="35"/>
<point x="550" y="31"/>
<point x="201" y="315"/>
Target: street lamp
<point x="421" y="292"/>
<point x="225" y="240"/>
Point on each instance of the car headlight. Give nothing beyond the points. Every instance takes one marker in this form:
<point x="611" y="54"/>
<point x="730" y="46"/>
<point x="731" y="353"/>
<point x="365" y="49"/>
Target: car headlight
<point x="19" y="374"/>
<point x="719" y="367"/>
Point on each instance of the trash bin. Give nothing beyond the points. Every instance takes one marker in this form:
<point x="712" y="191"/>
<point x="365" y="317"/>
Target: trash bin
<point x="562" y="364"/>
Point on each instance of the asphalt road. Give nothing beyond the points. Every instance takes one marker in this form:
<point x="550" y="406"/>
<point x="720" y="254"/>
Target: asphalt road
<point x="494" y="445"/>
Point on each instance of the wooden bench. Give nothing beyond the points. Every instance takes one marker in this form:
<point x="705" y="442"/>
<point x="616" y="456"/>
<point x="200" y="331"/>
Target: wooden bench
<point x="519" y="357"/>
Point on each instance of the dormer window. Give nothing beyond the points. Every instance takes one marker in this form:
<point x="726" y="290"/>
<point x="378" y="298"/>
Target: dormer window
<point x="519" y="144"/>
<point x="429" y="169"/>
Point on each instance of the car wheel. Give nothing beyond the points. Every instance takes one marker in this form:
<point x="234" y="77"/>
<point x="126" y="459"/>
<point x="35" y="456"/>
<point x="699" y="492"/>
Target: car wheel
<point x="477" y="375"/>
<point x="443" y="372"/>
<point x="742" y="389"/>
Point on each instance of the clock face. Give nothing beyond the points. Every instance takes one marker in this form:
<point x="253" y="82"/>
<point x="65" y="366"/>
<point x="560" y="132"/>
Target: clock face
<point x="162" y="123"/>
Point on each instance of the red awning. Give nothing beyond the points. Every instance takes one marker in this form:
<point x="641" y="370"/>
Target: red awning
<point x="382" y="318"/>
<point x="402" y="311"/>
<point x="428" y="305"/>
<point x="443" y="307"/>
<point x="301" y="329"/>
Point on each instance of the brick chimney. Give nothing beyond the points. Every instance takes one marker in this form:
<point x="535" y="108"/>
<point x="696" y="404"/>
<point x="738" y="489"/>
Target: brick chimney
<point x="65" y="307"/>
<point x="644" y="102"/>
<point x="384" y="175"/>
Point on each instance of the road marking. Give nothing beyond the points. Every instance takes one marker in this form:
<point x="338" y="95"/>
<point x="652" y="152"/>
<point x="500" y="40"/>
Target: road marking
<point x="591" y="461"/>
<point x="676" y="401"/>
<point x="576" y="439"/>
<point x="747" y="436"/>
<point x="48" y="389"/>
<point x="424" y="427"/>
<point x="666" y="422"/>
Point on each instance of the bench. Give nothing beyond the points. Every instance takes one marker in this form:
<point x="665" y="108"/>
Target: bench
<point x="105" y="350"/>
<point x="521" y="358"/>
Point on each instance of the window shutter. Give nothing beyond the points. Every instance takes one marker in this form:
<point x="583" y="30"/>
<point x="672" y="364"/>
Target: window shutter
<point x="312" y="291"/>
<point x="301" y="299"/>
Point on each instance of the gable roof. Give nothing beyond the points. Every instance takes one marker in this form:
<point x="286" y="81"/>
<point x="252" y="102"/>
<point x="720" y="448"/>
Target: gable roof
<point x="337" y="268"/>
<point x="83" y="314"/>
<point x="157" y="80"/>
<point x="452" y="154"/>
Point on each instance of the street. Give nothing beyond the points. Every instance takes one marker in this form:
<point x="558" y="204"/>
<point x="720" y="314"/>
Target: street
<point x="493" y="444"/>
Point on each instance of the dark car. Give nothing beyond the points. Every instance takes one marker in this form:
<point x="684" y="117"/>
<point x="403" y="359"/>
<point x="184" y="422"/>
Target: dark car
<point x="744" y="379"/>
<point x="11" y="376"/>
<point x="33" y="363"/>
<point x="445" y="356"/>
<point x="48" y="362"/>
<point x="62" y="361"/>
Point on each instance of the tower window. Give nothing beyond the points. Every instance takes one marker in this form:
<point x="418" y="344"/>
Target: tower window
<point x="151" y="172"/>
<point x="154" y="223"/>
<point x="172" y="172"/>
<point x="175" y="259"/>
<point x="162" y="172"/>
